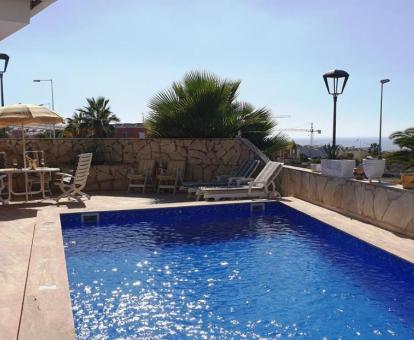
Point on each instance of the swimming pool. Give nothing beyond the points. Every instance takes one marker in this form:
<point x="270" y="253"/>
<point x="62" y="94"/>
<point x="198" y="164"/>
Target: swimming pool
<point x="229" y="270"/>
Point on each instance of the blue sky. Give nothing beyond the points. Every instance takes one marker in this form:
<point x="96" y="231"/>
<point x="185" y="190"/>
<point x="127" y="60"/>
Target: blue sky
<point x="128" y="50"/>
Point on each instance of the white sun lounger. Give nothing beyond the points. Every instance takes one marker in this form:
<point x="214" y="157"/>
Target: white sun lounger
<point x="261" y="187"/>
<point x="242" y="176"/>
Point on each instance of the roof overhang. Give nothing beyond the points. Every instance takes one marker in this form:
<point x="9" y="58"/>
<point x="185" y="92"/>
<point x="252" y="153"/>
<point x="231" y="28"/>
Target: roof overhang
<point x="15" y="14"/>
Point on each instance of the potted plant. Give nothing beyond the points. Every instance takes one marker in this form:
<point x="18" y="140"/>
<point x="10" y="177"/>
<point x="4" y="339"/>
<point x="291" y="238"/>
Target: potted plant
<point x="373" y="168"/>
<point x="336" y="167"/>
<point x="374" y="165"/>
<point x="407" y="178"/>
<point x="315" y="164"/>
<point x="359" y="173"/>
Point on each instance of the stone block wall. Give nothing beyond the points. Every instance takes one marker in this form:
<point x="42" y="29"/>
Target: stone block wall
<point x="206" y="158"/>
<point x="383" y="205"/>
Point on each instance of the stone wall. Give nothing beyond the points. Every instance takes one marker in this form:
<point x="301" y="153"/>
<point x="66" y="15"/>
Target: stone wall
<point x="387" y="206"/>
<point x="206" y="158"/>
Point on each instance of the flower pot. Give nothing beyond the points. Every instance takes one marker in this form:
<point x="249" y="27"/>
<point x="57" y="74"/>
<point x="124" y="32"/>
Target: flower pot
<point x="407" y="180"/>
<point x="316" y="167"/>
<point x="338" y="168"/>
<point x="373" y="168"/>
<point x="359" y="173"/>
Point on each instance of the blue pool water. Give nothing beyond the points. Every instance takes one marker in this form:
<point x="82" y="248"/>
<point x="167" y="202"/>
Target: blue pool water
<point x="224" y="272"/>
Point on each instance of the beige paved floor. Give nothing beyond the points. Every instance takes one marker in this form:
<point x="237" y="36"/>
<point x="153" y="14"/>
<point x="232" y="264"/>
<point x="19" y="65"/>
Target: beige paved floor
<point x="17" y="233"/>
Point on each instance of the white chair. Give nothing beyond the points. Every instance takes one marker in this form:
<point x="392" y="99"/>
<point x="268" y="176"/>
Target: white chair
<point x="143" y="176"/>
<point x="261" y="187"/>
<point x="173" y="177"/>
<point x="72" y="185"/>
<point x="3" y="164"/>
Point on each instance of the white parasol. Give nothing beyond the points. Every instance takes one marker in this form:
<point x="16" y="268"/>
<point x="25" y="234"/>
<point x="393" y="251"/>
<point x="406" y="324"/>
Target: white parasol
<point x="27" y="114"/>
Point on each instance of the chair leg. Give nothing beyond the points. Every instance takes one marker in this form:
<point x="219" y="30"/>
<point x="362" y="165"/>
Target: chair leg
<point x="77" y="198"/>
<point x="30" y="188"/>
<point x="80" y="193"/>
<point x="64" y="194"/>
<point x="145" y="184"/>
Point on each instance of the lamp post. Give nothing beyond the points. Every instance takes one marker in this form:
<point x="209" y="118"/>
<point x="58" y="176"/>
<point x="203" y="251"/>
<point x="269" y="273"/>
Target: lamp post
<point x="51" y="89"/>
<point x="383" y="81"/>
<point x="53" y="99"/>
<point x="4" y="61"/>
<point x="335" y="82"/>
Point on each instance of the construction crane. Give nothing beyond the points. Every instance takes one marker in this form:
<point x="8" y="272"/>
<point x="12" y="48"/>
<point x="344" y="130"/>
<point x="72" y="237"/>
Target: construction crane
<point x="311" y="131"/>
<point x="282" y="116"/>
<point x="239" y="133"/>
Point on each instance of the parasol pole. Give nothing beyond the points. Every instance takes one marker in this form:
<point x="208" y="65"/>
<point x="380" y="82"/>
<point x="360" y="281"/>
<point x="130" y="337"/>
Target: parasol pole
<point x="24" y="147"/>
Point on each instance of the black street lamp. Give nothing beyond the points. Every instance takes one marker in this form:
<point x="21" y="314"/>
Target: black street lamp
<point x="4" y="61"/>
<point x="383" y="81"/>
<point x="335" y="82"/>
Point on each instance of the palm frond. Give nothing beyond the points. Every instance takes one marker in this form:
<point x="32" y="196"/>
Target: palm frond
<point x="203" y="105"/>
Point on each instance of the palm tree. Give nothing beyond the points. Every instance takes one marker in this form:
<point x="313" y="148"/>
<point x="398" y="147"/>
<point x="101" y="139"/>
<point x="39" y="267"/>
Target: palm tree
<point x="331" y="151"/>
<point x="204" y="106"/>
<point x="373" y="150"/>
<point x="76" y="126"/>
<point x="93" y="120"/>
<point x="405" y="140"/>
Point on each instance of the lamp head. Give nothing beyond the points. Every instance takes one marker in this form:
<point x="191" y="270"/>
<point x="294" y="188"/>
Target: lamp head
<point x="335" y="81"/>
<point x="4" y="61"/>
<point x="36" y="80"/>
<point x="384" y="81"/>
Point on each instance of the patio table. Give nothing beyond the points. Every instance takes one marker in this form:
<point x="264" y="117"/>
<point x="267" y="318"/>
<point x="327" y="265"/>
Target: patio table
<point x="41" y="171"/>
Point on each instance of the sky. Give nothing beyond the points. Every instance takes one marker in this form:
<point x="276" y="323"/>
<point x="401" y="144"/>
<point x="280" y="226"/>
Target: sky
<point x="131" y="49"/>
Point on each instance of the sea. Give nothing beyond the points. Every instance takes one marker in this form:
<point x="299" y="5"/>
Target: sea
<point x="357" y="142"/>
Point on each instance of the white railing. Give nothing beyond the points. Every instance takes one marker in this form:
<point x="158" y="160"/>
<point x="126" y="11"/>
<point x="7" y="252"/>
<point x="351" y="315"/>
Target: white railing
<point x="253" y="148"/>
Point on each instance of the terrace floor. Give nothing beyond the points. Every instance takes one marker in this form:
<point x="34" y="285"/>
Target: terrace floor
<point x="26" y="250"/>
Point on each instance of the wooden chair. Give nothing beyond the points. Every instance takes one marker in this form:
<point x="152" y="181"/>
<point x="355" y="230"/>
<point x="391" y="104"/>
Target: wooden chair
<point x="173" y="176"/>
<point x="143" y="176"/>
<point x="72" y="185"/>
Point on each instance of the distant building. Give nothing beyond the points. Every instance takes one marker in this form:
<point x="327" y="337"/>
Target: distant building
<point x="130" y="130"/>
<point x="318" y="152"/>
<point x="311" y="151"/>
